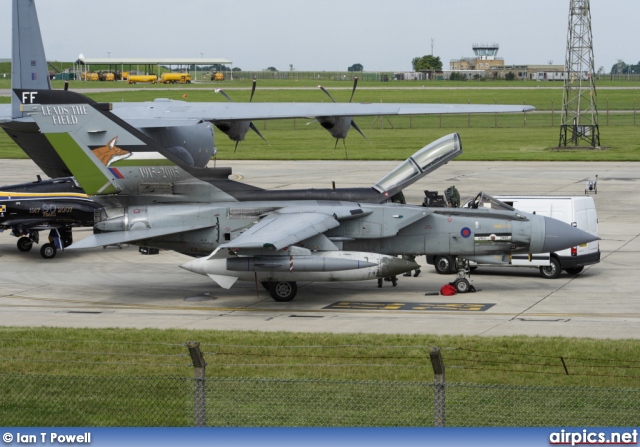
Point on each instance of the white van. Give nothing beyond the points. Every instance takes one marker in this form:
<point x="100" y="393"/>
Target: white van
<point x="579" y="211"/>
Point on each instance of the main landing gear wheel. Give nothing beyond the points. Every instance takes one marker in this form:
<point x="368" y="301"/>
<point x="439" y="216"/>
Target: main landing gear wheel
<point x="25" y="244"/>
<point x="574" y="270"/>
<point x="444" y="264"/>
<point x="551" y="271"/>
<point x="282" y="291"/>
<point x="48" y="251"/>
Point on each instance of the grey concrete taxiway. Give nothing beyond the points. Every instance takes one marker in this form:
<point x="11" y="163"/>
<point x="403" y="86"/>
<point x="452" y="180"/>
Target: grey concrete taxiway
<point x="113" y="287"/>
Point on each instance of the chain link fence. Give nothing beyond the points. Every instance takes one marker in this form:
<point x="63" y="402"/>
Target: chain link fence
<point x="169" y="401"/>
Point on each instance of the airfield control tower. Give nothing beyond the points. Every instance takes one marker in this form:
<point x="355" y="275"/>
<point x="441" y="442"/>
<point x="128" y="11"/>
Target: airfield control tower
<point x="486" y="52"/>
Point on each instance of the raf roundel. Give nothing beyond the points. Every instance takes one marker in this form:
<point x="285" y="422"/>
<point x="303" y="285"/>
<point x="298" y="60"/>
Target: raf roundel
<point x="465" y="232"/>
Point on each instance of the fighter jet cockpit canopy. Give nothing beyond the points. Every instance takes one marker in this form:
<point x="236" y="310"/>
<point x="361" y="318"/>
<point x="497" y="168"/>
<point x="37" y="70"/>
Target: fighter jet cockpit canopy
<point x="427" y="159"/>
<point x="484" y="200"/>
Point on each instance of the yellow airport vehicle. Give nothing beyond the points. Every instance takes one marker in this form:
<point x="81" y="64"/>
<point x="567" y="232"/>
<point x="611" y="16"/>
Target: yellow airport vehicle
<point x="175" y="78"/>
<point x="106" y="76"/>
<point x="89" y="76"/>
<point x="133" y="79"/>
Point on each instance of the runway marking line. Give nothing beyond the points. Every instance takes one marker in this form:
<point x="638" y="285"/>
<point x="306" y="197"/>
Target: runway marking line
<point x="466" y="307"/>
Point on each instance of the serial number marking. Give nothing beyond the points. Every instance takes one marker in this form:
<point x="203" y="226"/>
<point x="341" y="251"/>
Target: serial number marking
<point x="162" y="172"/>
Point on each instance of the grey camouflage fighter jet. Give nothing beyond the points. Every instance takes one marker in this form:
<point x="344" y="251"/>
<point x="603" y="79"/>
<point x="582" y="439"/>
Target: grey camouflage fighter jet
<point x="241" y="232"/>
<point x="183" y="128"/>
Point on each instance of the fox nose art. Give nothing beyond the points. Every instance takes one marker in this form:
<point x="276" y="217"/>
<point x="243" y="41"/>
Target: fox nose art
<point x="559" y="236"/>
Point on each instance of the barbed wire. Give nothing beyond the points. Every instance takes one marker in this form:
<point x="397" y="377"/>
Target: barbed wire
<point x="319" y="346"/>
<point x="315" y="365"/>
<point x="97" y="353"/>
<point x="239" y="354"/>
<point x="149" y="365"/>
<point x="551" y="373"/>
<point x="543" y="364"/>
<point x="93" y="341"/>
<point x="545" y="356"/>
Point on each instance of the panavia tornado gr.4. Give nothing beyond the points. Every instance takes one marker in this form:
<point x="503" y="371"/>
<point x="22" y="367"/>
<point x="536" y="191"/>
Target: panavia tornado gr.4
<point x="241" y="232"/>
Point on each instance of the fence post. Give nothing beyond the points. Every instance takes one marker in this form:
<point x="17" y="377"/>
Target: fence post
<point x="552" y="111"/>
<point x="199" y="365"/>
<point x="439" y="382"/>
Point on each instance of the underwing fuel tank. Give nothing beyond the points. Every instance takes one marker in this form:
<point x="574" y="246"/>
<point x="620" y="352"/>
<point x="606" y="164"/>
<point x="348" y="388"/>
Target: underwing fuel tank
<point x="291" y="263"/>
<point x="322" y="266"/>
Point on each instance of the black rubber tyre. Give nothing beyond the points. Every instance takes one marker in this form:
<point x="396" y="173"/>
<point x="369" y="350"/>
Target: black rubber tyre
<point x="282" y="291"/>
<point x="574" y="270"/>
<point x="462" y="285"/>
<point x="552" y="271"/>
<point x="443" y="264"/>
<point x="25" y="244"/>
<point x="48" y="251"/>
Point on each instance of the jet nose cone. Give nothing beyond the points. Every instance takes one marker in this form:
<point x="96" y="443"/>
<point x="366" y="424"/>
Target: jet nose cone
<point x="195" y="266"/>
<point x="560" y="236"/>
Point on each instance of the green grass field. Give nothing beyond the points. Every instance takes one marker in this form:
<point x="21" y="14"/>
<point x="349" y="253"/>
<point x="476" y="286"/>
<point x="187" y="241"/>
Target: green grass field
<point x="485" y="137"/>
<point x="236" y="354"/>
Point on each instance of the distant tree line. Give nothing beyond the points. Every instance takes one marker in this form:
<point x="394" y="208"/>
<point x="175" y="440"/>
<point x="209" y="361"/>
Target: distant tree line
<point x="621" y="67"/>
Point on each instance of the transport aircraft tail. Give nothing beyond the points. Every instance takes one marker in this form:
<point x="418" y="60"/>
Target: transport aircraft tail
<point x="29" y="65"/>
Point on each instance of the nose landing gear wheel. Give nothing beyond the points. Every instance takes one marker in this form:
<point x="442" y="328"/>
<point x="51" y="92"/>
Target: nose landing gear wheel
<point x="462" y="285"/>
<point x="282" y="291"/>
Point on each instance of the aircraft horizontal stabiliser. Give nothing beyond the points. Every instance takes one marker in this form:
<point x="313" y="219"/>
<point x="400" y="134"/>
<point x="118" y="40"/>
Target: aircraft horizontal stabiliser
<point x="273" y="237"/>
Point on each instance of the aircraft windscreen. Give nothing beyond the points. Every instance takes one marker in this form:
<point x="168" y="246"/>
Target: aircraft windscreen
<point x="421" y="163"/>
<point x="484" y="200"/>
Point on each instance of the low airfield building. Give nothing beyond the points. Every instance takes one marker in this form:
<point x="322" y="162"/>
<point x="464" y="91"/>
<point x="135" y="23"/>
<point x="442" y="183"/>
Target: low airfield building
<point x="486" y="59"/>
<point x="145" y="66"/>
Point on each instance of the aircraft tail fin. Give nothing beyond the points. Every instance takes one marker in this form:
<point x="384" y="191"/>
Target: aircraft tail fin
<point x="29" y="64"/>
<point x="89" y="139"/>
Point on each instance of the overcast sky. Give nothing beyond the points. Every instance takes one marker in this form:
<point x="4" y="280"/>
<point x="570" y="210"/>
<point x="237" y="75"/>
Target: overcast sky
<point x="328" y="34"/>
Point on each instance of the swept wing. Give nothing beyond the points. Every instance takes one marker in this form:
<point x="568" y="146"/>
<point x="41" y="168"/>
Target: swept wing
<point x="282" y="229"/>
